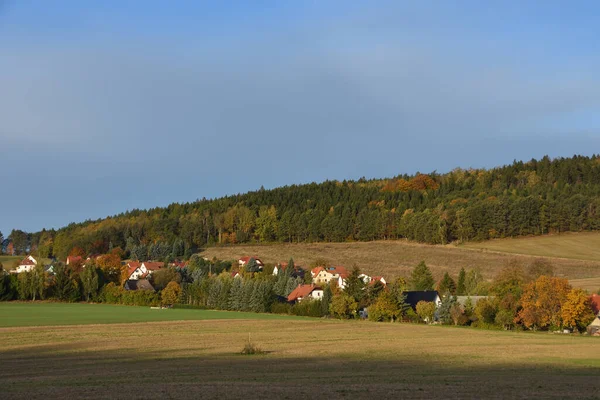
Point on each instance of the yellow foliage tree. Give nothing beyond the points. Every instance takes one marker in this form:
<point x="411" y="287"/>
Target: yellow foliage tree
<point x="170" y="294"/>
<point x="577" y="310"/>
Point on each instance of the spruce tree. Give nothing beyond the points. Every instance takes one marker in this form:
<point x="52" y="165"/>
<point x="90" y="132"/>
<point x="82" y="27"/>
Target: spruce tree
<point x="447" y="285"/>
<point x="326" y="300"/>
<point x="460" y="287"/>
<point x="421" y="277"/>
<point x="236" y="295"/>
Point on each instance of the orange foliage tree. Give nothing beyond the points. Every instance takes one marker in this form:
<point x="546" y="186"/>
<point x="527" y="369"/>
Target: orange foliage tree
<point x="577" y="310"/>
<point x="111" y="266"/>
<point x="542" y="302"/>
<point x="77" y="252"/>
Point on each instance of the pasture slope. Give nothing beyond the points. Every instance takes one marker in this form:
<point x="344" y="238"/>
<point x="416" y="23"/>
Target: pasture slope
<point x="397" y="258"/>
<point x="304" y="358"/>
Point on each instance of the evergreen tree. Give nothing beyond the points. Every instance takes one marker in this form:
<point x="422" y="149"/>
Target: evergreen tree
<point x="447" y="285"/>
<point x="236" y="294"/>
<point x="355" y="285"/>
<point x="421" y="277"/>
<point x="326" y="300"/>
<point x="247" y="295"/>
<point x="445" y="309"/>
<point x="460" y="287"/>
<point x="64" y="287"/>
<point x="252" y="266"/>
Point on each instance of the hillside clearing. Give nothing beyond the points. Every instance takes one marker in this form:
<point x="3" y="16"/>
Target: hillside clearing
<point x="577" y="246"/>
<point x="398" y="258"/>
<point x="304" y="358"/>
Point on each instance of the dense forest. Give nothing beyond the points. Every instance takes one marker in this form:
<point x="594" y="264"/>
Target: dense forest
<point x="523" y="198"/>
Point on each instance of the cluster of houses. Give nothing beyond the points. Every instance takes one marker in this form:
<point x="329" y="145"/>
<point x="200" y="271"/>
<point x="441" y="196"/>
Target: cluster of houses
<point x="139" y="273"/>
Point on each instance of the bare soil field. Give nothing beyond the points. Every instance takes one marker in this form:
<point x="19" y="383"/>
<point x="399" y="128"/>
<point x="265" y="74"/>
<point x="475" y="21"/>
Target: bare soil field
<point x="397" y="258"/>
<point x="302" y="359"/>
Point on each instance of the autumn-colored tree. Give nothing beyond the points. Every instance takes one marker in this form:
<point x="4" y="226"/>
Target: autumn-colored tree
<point x="426" y="311"/>
<point x="170" y="294"/>
<point x="343" y="306"/>
<point x="110" y="264"/>
<point x="77" y="252"/>
<point x="577" y="310"/>
<point x="385" y="307"/>
<point x="542" y="302"/>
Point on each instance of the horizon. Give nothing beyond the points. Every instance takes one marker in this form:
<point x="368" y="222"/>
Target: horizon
<point x="120" y="106"/>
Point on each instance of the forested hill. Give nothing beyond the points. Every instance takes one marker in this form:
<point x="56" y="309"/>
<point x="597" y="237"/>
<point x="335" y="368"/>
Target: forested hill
<point x="523" y="198"/>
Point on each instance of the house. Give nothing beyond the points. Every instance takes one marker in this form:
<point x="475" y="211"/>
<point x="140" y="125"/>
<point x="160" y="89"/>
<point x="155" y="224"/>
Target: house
<point x="138" y="284"/>
<point x="305" y="291"/>
<point x="73" y="259"/>
<point x="594" y="328"/>
<point x="368" y="280"/>
<point x="179" y="264"/>
<point x="413" y="297"/>
<point x="282" y="266"/>
<point x="137" y="270"/>
<point x="462" y="300"/>
<point x="244" y="260"/>
<point x="324" y="275"/>
<point x="236" y="274"/>
<point x="27" y="264"/>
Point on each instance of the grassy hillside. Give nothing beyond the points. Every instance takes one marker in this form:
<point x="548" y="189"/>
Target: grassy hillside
<point x="8" y="261"/>
<point x="578" y="246"/>
<point x="304" y="359"/>
<point x="397" y="258"/>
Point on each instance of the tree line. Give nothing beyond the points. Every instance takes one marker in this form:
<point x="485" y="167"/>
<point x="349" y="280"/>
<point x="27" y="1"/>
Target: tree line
<point x="523" y="198"/>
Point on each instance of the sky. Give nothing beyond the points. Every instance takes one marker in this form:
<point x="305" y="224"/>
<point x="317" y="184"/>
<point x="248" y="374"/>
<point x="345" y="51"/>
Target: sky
<point x="120" y="104"/>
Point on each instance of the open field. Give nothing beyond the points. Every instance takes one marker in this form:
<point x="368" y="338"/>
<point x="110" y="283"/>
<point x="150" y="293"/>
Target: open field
<point x="47" y="314"/>
<point x="7" y="261"/>
<point x="305" y="358"/>
<point x="577" y="246"/>
<point x="397" y="258"/>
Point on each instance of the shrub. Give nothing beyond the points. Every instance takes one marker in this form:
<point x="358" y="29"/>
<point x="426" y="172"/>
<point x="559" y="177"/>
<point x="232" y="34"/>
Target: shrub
<point x="308" y="308"/>
<point x="281" y="308"/>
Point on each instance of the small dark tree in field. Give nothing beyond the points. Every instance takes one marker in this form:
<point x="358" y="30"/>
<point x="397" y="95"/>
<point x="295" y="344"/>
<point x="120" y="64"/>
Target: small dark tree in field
<point x="421" y="277"/>
<point x="539" y="267"/>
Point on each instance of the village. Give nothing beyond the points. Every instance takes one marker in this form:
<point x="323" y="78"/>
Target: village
<point x="299" y="289"/>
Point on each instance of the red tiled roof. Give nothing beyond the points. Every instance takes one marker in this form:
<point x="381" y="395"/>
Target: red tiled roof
<point x="135" y="264"/>
<point x="180" y="264"/>
<point x="247" y="258"/>
<point x="27" y="261"/>
<point x="302" y="291"/>
<point x="72" y="259"/>
<point x="595" y="300"/>
<point x="315" y="271"/>
<point x="153" y="266"/>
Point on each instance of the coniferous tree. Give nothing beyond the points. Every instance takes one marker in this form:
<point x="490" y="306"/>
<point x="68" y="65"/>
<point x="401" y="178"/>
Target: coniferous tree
<point x="326" y="300"/>
<point x="460" y="287"/>
<point x="447" y="285"/>
<point x="90" y="282"/>
<point x="236" y="294"/>
<point x="421" y="277"/>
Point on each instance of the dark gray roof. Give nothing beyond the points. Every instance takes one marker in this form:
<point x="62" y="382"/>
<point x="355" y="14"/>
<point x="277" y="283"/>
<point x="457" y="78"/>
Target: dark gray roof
<point x="413" y="297"/>
<point x="138" y="284"/>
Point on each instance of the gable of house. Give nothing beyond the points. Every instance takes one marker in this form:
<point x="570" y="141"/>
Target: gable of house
<point x="303" y="291"/>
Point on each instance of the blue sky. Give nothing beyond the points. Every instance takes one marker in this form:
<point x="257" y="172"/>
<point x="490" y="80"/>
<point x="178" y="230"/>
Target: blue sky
<point x="114" y="105"/>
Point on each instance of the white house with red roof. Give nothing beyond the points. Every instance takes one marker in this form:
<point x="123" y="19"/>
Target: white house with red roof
<point x="244" y="260"/>
<point x="141" y="270"/>
<point x="304" y="292"/>
<point x="324" y="275"/>
<point x="27" y="264"/>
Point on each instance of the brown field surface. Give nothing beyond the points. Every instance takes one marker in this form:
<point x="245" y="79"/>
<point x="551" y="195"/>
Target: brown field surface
<point x="577" y="246"/>
<point x="397" y="258"/>
<point x="303" y="359"/>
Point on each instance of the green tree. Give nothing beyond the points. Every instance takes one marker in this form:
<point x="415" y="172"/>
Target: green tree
<point x="385" y="308"/>
<point x="65" y="287"/>
<point x="343" y="306"/>
<point x="355" y="286"/>
<point x="90" y="282"/>
<point x="445" y="309"/>
<point x="421" y="277"/>
<point x="252" y="266"/>
<point x="460" y="287"/>
<point x="326" y="300"/>
<point x="236" y="294"/>
<point x="472" y="281"/>
<point x="426" y="311"/>
<point x="447" y="285"/>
